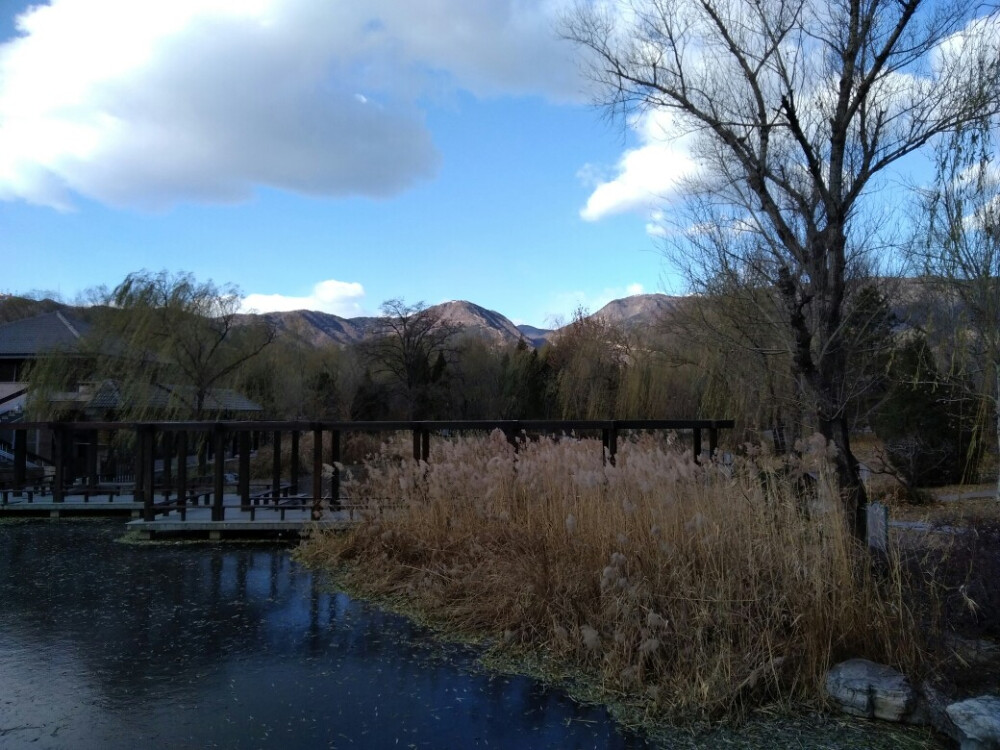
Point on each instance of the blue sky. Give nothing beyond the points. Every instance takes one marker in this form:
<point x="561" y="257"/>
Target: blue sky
<point x="321" y="154"/>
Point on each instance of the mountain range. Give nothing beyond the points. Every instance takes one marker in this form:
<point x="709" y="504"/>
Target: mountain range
<point x="319" y="328"/>
<point x="316" y="328"/>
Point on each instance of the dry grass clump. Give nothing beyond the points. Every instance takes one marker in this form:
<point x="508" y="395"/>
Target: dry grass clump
<point x="684" y="590"/>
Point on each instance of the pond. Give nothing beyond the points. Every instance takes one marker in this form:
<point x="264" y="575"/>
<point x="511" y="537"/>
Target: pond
<point x="110" y="645"/>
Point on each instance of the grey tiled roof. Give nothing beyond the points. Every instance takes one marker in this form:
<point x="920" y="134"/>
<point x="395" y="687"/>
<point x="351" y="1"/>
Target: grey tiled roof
<point x="165" y="396"/>
<point x="42" y="334"/>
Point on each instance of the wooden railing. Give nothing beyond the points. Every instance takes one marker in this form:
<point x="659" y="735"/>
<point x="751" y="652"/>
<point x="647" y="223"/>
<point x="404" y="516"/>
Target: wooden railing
<point x="170" y="443"/>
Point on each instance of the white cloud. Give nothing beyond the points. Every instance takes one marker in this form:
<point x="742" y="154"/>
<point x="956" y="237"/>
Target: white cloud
<point x="147" y="103"/>
<point x="341" y="298"/>
<point x="645" y="176"/>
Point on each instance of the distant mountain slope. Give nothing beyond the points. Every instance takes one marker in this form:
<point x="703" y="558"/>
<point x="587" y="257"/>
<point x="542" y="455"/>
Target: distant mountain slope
<point x="318" y="328"/>
<point x="639" y="310"/>
<point x="536" y="337"/>
<point x="16" y="308"/>
<point x="487" y="323"/>
<point x="313" y="327"/>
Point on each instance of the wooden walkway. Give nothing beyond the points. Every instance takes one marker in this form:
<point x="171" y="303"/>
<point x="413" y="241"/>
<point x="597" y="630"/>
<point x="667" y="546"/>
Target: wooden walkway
<point x="165" y="499"/>
<point x="272" y="520"/>
<point x="264" y="521"/>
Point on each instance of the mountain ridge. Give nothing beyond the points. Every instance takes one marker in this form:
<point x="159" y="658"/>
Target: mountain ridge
<point x="317" y="328"/>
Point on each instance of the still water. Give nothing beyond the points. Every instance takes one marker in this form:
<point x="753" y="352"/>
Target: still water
<point x="108" y="645"/>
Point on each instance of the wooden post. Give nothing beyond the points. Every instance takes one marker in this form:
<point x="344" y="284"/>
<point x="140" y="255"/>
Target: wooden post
<point x="697" y="445"/>
<point x="511" y="435"/>
<point x="317" y="477"/>
<point x="294" y="468"/>
<point x="92" y="459"/>
<point x="276" y="466"/>
<point x="416" y="443"/>
<point x="612" y="443"/>
<point x="335" y="480"/>
<point x="59" y="459"/>
<point x="149" y="471"/>
<point x="167" y="440"/>
<point x="425" y="444"/>
<point x="244" y="469"/>
<point x="20" y="459"/>
<point x="139" y="485"/>
<point x="182" y="465"/>
<point x="143" y="491"/>
<point x="219" y="488"/>
<point x="203" y="441"/>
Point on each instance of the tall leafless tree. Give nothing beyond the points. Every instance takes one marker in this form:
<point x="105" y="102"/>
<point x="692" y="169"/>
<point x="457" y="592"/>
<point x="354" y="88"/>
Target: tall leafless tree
<point x="794" y="109"/>
<point x="410" y="348"/>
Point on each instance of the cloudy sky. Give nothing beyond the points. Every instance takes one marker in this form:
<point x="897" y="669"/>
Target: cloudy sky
<point x="322" y="154"/>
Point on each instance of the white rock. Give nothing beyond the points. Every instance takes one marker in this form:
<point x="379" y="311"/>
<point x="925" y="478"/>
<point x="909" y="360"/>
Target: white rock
<point x="979" y="721"/>
<point x="875" y="691"/>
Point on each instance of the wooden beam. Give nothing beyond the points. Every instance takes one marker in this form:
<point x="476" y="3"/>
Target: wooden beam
<point x="294" y="468"/>
<point x="92" y="438"/>
<point x="335" y="460"/>
<point x="149" y="459"/>
<point x="20" y="459"/>
<point x="219" y="485"/>
<point x="275" y="465"/>
<point x="59" y="459"/>
<point x="182" y="471"/>
<point x="144" y="470"/>
<point x="317" y="474"/>
<point x="244" y="470"/>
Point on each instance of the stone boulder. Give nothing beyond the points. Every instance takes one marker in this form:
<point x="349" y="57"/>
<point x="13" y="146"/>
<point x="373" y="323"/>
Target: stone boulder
<point x="874" y="691"/>
<point x="978" y="720"/>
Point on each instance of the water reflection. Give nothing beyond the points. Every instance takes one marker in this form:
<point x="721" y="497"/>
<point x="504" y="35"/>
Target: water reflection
<point x="104" y="645"/>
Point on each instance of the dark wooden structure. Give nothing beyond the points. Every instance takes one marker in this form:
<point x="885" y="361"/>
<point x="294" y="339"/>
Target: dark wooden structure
<point x="162" y="449"/>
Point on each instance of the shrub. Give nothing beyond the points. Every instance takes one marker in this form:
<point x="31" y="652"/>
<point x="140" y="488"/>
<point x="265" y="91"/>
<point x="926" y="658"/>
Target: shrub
<point x="921" y="421"/>
<point x="689" y="590"/>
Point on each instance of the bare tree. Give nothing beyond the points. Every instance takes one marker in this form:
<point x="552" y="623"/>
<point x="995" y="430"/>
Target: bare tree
<point x="410" y="347"/>
<point x="794" y="108"/>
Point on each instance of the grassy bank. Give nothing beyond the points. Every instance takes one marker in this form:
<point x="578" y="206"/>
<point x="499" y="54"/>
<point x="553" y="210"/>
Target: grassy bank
<point x="687" y="592"/>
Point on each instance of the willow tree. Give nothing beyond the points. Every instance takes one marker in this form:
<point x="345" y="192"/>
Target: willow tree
<point x="795" y="112"/>
<point x="959" y="244"/>
<point x="163" y="328"/>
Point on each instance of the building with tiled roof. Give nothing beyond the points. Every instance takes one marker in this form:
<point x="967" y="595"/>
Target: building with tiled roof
<point x="23" y="341"/>
<point x="60" y="333"/>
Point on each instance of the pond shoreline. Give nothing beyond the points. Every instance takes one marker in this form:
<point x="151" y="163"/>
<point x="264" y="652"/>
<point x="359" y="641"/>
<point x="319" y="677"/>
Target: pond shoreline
<point x="771" y="727"/>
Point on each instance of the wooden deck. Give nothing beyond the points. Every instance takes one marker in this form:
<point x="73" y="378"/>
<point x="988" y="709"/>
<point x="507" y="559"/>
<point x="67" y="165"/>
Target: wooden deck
<point x="165" y="498"/>
<point x="38" y="505"/>
<point x="277" y="521"/>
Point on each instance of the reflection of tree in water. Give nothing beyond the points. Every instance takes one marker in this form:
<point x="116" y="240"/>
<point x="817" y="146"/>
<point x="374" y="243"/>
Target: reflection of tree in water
<point x="244" y="626"/>
<point x="136" y="613"/>
<point x="162" y="610"/>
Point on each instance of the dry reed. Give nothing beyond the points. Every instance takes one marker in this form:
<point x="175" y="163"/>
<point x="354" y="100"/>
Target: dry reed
<point x="687" y="591"/>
